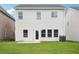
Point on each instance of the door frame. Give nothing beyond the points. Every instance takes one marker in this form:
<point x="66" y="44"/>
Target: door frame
<point x="36" y="35"/>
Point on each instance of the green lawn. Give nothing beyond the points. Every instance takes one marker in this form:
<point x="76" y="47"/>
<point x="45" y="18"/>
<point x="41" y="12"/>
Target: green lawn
<point x="39" y="48"/>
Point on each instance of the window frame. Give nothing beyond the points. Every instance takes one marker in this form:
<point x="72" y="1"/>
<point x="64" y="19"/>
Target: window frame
<point x="25" y="33"/>
<point x="55" y="33"/>
<point x="43" y="33"/>
<point x="39" y="15"/>
<point x="20" y="15"/>
<point x="54" y="14"/>
<point x="49" y="32"/>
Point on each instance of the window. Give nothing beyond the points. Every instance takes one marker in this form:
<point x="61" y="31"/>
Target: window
<point x="38" y="15"/>
<point x="25" y="33"/>
<point x="43" y="33"/>
<point x="20" y="15"/>
<point x="49" y="33"/>
<point x="54" y="14"/>
<point x="56" y="33"/>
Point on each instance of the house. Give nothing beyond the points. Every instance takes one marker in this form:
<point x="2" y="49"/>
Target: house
<point x="72" y="24"/>
<point x="7" y="25"/>
<point x="39" y="22"/>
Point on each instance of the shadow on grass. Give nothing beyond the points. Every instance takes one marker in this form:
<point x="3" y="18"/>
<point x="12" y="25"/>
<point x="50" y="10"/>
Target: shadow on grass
<point x="7" y="40"/>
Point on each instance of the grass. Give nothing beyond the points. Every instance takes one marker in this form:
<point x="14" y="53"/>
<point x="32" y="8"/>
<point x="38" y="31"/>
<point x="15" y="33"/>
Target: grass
<point x="39" y="48"/>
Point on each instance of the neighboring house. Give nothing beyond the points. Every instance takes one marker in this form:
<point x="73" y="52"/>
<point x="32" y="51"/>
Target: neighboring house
<point x="39" y="22"/>
<point x="7" y="25"/>
<point x="72" y="24"/>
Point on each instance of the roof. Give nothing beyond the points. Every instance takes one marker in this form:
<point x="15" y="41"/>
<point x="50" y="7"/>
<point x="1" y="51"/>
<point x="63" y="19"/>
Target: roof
<point x="76" y="8"/>
<point x="39" y="6"/>
<point x="6" y="13"/>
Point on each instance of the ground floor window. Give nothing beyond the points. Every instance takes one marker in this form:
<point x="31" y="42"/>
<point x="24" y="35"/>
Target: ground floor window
<point x="43" y="33"/>
<point x="49" y="31"/>
<point x="25" y="33"/>
<point x="56" y="33"/>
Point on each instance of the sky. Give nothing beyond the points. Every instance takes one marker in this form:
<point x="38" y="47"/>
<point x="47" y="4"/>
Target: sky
<point x="10" y="7"/>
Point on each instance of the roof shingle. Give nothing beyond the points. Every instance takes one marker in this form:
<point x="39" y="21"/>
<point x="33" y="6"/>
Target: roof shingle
<point x="39" y="6"/>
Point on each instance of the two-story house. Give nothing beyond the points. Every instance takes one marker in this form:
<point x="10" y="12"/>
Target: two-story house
<point x="39" y="22"/>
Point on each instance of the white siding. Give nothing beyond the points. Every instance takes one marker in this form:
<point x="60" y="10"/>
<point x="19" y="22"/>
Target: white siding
<point x="72" y="30"/>
<point x="31" y="23"/>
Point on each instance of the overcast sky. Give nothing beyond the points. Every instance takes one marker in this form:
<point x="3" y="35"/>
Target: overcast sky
<point x="10" y="7"/>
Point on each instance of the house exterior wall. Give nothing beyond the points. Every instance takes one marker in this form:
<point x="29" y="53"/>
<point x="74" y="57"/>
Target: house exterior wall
<point x="72" y="24"/>
<point x="46" y="22"/>
<point x="7" y="27"/>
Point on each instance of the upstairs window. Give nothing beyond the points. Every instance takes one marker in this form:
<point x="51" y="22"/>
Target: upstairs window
<point x="20" y="15"/>
<point x="43" y="33"/>
<point x="49" y="33"/>
<point x="38" y="15"/>
<point x="25" y="33"/>
<point x="53" y="14"/>
<point x="56" y="33"/>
